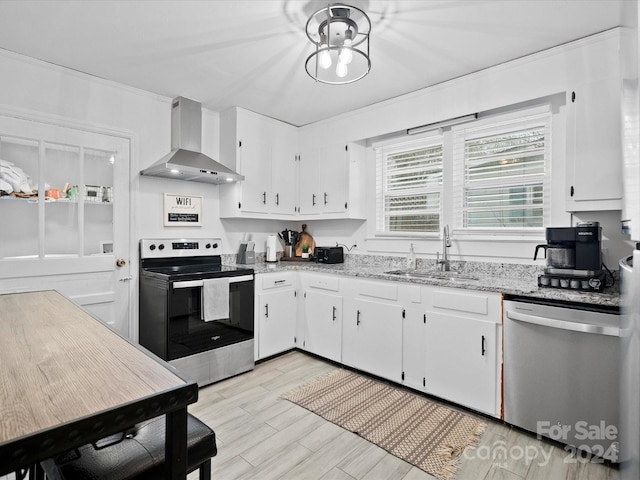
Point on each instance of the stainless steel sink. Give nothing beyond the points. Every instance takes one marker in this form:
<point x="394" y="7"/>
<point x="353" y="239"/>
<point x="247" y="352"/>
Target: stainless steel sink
<point x="437" y="274"/>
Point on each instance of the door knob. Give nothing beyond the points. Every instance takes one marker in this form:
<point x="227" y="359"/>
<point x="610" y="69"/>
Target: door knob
<point x="121" y="262"/>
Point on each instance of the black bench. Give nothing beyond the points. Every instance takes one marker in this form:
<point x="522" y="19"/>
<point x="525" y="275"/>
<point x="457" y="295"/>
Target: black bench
<point x="135" y="454"/>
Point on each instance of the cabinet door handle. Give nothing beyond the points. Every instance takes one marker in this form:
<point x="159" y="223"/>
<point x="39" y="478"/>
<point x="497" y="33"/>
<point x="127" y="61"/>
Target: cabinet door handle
<point x="264" y="198"/>
<point x="358" y="318"/>
<point x="266" y="311"/>
<point x="325" y="198"/>
<point x="277" y="199"/>
<point x="482" y="345"/>
<point x="334" y="313"/>
<point x="313" y="200"/>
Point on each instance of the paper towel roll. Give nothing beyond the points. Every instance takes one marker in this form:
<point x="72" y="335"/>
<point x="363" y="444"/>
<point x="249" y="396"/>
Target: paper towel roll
<point x="271" y="249"/>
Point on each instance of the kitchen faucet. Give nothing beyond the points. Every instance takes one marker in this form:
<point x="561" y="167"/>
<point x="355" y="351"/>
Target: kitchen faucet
<point x="446" y="243"/>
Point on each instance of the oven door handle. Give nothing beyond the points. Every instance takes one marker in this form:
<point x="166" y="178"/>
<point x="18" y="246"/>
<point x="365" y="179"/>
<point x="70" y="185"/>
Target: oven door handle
<point x="200" y="283"/>
<point x="188" y="284"/>
<point x="241" y="278"/>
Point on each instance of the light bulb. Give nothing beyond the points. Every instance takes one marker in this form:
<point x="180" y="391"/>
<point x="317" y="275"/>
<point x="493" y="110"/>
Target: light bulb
<point x="325" y="59"/>
<point x="345" y="53"/>
<point x="341" y="70"/>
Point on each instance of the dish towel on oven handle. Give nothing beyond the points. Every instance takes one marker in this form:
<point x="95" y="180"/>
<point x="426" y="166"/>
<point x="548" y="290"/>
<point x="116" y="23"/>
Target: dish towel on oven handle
<point x="215" y="299"/>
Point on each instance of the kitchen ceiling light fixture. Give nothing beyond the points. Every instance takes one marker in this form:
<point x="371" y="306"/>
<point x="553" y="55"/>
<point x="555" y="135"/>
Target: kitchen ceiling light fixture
<point x="340" y="34"/>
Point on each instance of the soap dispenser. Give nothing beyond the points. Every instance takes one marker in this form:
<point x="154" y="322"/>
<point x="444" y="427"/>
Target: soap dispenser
<point x="411" y="258"/>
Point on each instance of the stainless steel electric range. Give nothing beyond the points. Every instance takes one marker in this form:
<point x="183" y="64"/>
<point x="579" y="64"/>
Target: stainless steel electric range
<point x="195" y="312"/>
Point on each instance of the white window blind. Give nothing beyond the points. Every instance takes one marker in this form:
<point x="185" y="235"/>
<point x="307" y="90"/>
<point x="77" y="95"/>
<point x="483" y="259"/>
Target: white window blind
<point x="500" y="180"/>
<point x="409" y="186"/>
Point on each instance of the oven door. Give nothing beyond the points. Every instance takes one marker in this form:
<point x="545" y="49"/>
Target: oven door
<point x="188" y="334"/>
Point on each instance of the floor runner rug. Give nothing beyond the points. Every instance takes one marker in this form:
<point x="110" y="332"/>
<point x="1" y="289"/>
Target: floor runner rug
<point x="430" y="436"/>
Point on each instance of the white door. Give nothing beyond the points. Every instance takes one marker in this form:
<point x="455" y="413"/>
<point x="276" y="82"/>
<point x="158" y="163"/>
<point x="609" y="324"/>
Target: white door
<point x="277" y="329"/>
<point x="323" y="319"/>
<point x="379" y="338"/>
<point x="72" y="232"/>
<point x="284" y="172"/>
<point x="333" y="179"/>
<point x="461" y="360"/>
<point x="255" y="163"/>
<point x="309" y="169"/>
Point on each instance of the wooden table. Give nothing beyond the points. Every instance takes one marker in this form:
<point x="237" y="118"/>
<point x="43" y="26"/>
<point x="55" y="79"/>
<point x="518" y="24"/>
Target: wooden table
<point x="67" y="380"/>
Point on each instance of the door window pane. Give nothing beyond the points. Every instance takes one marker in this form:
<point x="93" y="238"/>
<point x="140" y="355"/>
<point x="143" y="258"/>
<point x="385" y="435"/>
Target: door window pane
<point x="19" y="160"/>
<point x="61" y="172"/>
<point x="98" y="200"/>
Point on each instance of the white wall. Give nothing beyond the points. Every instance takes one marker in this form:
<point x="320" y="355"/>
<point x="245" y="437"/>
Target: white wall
<point x="44" y="88"/>
<point x="543" y="75"/>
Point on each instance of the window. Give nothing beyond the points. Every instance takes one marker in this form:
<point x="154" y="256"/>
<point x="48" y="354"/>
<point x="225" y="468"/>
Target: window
<point x="409" y="186"/>
<point x="500" y="174"/>
<point x="496" y="179"/>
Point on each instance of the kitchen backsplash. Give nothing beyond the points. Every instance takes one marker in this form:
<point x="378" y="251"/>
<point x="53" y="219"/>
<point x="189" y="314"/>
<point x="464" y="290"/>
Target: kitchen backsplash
<point x="390" y="262"/>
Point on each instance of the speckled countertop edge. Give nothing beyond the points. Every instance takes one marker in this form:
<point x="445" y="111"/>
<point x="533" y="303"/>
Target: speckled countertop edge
<point x="512" y="279"/>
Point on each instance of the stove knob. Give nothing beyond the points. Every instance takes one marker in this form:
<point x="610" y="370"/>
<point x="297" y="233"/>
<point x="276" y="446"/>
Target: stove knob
<point x="215" y="245"/>
<point x="161" y="246"/>
<point x="208" y="245"/>
<point x="152" y="247"/>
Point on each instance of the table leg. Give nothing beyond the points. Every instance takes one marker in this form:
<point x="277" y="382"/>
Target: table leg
<point x="176" y="444"/>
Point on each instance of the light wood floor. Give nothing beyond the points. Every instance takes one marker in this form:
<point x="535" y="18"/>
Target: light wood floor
<point x="261" y="436"/>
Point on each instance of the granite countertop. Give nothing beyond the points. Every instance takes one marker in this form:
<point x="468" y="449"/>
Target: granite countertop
<point x="512" y="279"/>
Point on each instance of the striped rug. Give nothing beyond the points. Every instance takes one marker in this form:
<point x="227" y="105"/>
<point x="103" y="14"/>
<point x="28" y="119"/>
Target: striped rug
<point x="425" y="434"/>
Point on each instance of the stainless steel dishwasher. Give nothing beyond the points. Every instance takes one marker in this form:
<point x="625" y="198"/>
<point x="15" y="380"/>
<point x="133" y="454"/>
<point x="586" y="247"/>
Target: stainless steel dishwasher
<point x="561" y="373"/>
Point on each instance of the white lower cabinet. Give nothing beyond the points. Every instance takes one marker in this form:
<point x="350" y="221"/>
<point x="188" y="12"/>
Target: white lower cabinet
<point x="373" y="339"/>
<point x="442" y="341"/>
<point x="323" y="324"/>
<point x="463" y="348"/>
<point x="461" y="360"/>
<point x="275" y="314"/>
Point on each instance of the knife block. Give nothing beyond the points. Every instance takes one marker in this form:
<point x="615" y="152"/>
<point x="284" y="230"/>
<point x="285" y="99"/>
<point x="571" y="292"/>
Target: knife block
<point x="245" y="257"/>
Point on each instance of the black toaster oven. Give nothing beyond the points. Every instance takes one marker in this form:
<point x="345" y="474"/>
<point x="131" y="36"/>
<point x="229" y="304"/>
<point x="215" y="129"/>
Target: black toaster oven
<point x="328" y="255"/>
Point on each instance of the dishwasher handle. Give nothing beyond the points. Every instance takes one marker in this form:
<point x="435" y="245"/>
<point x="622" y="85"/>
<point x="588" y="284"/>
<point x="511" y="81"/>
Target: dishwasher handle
<point x="562" y="324"/>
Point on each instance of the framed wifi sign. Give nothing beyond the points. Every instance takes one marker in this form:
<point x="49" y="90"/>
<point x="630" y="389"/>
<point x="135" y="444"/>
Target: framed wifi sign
<point x="182" y="210"/>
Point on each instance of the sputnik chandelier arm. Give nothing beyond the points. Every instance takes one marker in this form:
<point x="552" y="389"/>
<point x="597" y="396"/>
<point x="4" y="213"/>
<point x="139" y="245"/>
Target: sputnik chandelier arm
<point x="340" y="34"/>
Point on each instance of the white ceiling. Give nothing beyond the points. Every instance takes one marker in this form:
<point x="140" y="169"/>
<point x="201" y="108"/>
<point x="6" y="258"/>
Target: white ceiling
<point x="251" y="53"/>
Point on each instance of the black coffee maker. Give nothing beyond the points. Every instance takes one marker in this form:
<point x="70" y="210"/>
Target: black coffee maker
<point x="574" y="257"/>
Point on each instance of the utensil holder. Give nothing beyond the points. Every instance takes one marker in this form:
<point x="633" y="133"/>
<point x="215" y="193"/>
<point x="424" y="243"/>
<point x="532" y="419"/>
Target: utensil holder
<point x="245" y="257"/>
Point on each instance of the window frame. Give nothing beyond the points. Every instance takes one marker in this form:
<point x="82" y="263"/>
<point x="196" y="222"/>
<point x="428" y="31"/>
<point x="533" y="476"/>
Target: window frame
<point x="399" y="145"/>
<point x="495" y="125"/>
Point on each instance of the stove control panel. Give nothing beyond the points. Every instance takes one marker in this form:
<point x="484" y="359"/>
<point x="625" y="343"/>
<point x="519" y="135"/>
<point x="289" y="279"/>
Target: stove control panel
<point x="179" y="247"/>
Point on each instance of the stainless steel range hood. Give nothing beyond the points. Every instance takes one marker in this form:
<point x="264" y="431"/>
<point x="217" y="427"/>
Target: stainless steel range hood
<point x="185" y="161"/>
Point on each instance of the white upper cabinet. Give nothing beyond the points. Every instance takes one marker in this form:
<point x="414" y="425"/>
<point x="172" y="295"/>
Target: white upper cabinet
<point x="264" y="151"/>
<point x="594" y="141"/>
<point x="331" y="176"/>
<point x="323" y="175"/>
<point x="289" y="175"/>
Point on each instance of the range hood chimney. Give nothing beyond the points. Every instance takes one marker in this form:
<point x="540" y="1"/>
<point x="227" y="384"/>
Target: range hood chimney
<point x="185" y="161"/>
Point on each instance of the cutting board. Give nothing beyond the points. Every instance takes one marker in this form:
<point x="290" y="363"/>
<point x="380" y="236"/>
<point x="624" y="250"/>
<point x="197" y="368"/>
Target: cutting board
<point x="305" y="238"/>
